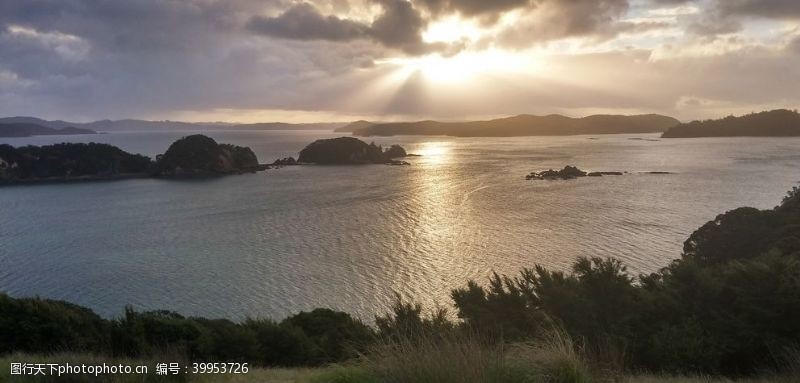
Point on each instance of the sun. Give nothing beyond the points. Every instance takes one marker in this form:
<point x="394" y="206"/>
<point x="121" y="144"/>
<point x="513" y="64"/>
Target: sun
<point x="461" y="68"/>
<point x="452" y="29"/>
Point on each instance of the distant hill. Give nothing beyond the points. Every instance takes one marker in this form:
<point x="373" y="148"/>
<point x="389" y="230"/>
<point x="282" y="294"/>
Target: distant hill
<point x="134" y="125"/>
<point x="22" y="129"/>
<point x="526" y="125"/>
<point x="57" y="124"/>
<point x="353" y="126"/>
<point x="775" y="123"/>
<point x="287" y="126"/>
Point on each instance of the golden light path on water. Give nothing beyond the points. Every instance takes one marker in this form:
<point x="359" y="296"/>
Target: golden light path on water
<point x="441" y="220"/>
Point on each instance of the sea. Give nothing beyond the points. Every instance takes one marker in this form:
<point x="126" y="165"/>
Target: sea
<point x="350" y="238"/>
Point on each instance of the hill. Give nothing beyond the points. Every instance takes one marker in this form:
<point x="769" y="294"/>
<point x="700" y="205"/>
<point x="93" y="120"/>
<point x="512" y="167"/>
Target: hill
<point x="526" y="125"/>
<point x="140" y="125"/>
<point x="774" y="123"/>
<point x="353" y="126"/>
<point x="24" y="129"/>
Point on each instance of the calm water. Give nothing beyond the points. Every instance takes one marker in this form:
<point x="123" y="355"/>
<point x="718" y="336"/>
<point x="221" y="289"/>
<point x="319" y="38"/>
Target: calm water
<point x="277" y="242"/>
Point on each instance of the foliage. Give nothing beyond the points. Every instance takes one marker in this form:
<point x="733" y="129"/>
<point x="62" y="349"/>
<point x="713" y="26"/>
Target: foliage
<point x="347" y="150"/>
<point x="44" y="326"/>
<point x="774" y="123"/>
<point x="68" y="160"/>
<point x="730" y="305"/>
<point x="199" y="154"/>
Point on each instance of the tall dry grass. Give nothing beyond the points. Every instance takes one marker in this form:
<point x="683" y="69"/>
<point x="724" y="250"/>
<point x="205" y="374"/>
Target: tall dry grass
<point x="469" y="358"/>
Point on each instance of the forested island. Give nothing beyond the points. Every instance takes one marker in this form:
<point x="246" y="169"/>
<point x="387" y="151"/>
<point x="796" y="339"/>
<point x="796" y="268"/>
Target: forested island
<point x="195" y="155"/>
<point x="727" y="307"/>
<point x="22" y="129"/>
<point x="775" y="123"/>
<point x="350" y="151"/>
<point x="521" y="125"/>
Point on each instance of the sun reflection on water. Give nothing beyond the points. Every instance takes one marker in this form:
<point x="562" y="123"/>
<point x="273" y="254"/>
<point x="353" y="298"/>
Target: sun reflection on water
<point x="434" y="152"/>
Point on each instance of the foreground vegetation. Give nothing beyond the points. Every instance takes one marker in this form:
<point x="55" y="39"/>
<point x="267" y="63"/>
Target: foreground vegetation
<point x="728" y="307"/>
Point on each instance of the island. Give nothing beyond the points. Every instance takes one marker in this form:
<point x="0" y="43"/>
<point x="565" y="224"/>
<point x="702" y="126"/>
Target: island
<point x="22" y="129"/>
<point x="521" y="125"/>
<point x="350" y="151"/>
<point x="570" y="172"/>
<point x="195" y="155"/>
<point x="774" y="123"/>
<point x="201" y="155"/>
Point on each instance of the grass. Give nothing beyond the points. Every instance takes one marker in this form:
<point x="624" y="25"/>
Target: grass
<point x="443" y="359"/>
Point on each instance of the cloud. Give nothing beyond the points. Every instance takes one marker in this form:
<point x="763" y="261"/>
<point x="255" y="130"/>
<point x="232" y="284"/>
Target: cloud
<point x="558" y="19"/>
<point x="304" y="22"/>
<point x="84" y="59"/>
<point x="399" y="26"/>
<point x="777" y="9"/>
<point x="473" y="8"/>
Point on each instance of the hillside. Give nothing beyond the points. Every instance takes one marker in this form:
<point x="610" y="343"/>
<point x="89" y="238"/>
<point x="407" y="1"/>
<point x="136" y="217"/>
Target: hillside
<point x="774" y="123"/>
<point x="23" y="129"/>
<point x="526" y="125"/>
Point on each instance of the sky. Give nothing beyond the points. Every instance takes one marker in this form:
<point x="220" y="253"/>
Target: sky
<point x="382" y="60"/>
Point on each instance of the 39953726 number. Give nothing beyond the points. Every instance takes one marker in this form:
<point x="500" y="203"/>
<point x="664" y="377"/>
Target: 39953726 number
<point x="220" y="368"/>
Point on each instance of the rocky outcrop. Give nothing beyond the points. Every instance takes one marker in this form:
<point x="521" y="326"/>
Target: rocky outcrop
<point x="572" y="172"/>
<point x="568" y="173"/>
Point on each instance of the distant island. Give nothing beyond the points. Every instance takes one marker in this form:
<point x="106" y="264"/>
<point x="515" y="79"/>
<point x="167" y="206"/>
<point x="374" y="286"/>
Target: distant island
<point x="521" y="125"/>
<point x="195" y="155"/>
<point x="145" y="125"/>
<point x="775" y="123"/>
<point x="350" y="151"/>
<point x="355" y="125"/>
<point x="22" y="129"/>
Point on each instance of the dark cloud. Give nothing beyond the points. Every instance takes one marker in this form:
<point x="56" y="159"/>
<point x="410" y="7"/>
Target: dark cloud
<point x="399" y="26"/>
<point x="304" y="22"/>
<point x="778" y="9"/>
<point x="558" y="19"/>
<point x="472" y="8"/>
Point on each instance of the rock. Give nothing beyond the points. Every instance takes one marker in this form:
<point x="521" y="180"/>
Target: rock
<point x="569" y="172"/>
<point x="395" y="151"/>
<point x="288" y="161"/>
<point x="600" y="174"/>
